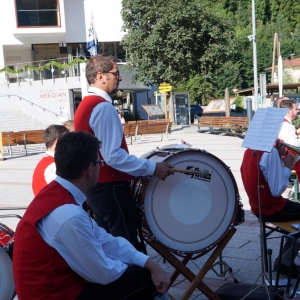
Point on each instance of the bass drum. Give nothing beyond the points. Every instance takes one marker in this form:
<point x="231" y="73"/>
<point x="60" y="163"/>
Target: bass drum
<point x="188" y="213"/>
<point x="7" y="287"/>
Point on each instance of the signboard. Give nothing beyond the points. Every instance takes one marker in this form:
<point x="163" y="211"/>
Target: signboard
<point x="217" y="105"/>
<point x="153" y="110"/>
<point x="165" y="88"/>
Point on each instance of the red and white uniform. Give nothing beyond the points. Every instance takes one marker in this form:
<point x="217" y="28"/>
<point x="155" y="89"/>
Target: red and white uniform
<point x="44" y="172"/>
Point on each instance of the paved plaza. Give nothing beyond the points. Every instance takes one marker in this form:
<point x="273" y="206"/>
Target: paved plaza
<point x="243" y="252"/>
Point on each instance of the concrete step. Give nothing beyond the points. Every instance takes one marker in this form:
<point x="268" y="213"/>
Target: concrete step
<point x="15" y="121"/>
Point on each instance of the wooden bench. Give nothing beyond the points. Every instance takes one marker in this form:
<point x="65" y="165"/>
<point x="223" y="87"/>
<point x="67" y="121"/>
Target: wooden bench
<point x="21" y="139"/>
<point x="152" y="128"/>
<point x="7" y="139"/>
<point x="230" y="124"/>
<point x="130" y="130"/>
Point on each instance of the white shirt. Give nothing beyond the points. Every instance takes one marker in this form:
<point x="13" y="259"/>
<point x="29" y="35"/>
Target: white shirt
<point x="105" y="123"/>
<point x="288" y="134"/>
<point x="50" y="171"/>
<point x="87" y="248"/>
<point x="276" y="176"/>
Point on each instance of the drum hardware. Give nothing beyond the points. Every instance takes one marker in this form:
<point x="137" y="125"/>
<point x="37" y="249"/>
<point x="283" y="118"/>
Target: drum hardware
<point x="224" y="268"/>
<point x="181" y="268"/>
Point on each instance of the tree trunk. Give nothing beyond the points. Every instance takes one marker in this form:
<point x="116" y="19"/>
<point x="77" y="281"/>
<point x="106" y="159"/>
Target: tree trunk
<point x="171" y="108"/>
<point x="227" y="103"/>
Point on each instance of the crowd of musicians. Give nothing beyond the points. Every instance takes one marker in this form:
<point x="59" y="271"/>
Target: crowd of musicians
<point x="61" y="251"/>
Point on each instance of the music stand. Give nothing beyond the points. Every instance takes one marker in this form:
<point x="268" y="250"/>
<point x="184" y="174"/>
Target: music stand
<point x="261" y="136"/>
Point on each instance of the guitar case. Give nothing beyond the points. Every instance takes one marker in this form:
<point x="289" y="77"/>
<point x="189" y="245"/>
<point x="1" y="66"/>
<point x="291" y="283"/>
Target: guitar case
<point x="236" y="291"/>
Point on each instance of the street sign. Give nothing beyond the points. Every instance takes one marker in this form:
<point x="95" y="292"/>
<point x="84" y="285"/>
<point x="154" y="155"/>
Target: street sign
<point x="165" y="89"/>
<point x="164" y="84"/>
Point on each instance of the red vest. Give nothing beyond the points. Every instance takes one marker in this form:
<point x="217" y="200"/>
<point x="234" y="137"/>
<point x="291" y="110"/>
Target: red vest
<point x="81" y="122"/>
<point x="269" y="204"/>
<point x="39" y="271"/>
<point x="38" y="178"/>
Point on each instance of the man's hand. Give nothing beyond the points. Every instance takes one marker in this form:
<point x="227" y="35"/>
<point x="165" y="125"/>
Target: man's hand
<point x="159" y="277"/>
<point x="163" y="170"/>
<point x="288" y="161"/>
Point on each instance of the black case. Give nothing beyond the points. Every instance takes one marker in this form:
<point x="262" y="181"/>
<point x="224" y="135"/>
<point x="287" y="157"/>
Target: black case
<point x="236" y="291"/>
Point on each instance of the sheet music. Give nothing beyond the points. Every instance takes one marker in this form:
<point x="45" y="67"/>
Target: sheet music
<point x="264" y="128"/>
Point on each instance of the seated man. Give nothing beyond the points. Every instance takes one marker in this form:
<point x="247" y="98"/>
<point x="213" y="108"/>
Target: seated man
<point x="272" y="180"/>
<point x="61" y="253"/>
<point x="288" y="132"/>
<point x="45" y="170"/>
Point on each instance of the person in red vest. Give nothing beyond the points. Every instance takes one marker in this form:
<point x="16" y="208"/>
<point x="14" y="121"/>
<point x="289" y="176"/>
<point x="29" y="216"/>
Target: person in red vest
<point x="112" y="200"/>
<point x="264" y="169"/>
<point x="61" y="253"/>
<point x="45" y="170"/>
<point x="288" y="132"/>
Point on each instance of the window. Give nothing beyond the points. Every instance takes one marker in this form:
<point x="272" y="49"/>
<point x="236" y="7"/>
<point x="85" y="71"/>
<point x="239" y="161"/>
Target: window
<point x="37" y="13"/>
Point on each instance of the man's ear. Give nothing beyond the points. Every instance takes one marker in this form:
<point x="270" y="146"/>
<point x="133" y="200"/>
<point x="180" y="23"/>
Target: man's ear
<point x="89" y="170"/>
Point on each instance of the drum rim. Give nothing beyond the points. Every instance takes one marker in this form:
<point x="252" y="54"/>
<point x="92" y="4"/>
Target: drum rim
<point x="235" y="188"/>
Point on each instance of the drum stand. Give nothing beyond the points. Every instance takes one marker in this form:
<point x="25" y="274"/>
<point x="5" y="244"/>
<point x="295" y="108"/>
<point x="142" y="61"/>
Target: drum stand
<point x="181" y="268"/>
<point x="224" y="268"/>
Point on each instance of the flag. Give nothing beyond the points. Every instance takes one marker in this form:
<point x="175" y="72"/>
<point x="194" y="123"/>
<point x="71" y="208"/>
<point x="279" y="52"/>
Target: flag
<point x="92" y="41"/>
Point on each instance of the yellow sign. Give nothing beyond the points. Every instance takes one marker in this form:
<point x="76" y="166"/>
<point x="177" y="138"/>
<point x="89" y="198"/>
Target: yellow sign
<point x="164" y="91"/>
<point x="164" y="85"/>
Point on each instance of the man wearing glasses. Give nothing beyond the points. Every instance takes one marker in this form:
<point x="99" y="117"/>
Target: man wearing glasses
<point x="61" y="253"/>
<point x="112" y="200"/>
<point x="288" y="133"/>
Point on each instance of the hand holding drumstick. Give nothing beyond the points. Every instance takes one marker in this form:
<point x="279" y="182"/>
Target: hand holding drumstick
<point x="163" y="170"/>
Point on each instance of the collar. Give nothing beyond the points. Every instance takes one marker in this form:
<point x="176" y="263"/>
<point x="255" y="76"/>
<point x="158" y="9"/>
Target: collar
<point x="288" y="119"/>
<point x="99" y="92"/>
<point x="74" y="190"/>
<point x="49" y="153"/>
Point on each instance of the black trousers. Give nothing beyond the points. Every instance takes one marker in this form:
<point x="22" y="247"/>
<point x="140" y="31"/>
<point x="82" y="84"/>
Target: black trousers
<point x="115" y="209"/>
<point x="290" y="212"/>
<point x="134" y="284"/>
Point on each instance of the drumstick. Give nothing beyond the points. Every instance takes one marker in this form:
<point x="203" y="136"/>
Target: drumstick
<point x="187" y="171"/>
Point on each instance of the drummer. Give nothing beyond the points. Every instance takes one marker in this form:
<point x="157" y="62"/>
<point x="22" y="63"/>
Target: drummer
<point x="112" y="200"/>
<point x="61" y="253"/>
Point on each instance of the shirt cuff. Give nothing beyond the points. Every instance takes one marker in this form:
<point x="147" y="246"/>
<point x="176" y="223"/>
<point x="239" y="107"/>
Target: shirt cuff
<point x="287" y="171"/>
<point x="140" y="259"/>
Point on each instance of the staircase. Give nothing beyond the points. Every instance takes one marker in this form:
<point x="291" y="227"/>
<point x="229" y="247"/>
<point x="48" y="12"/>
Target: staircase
<point x="16" y="121"/>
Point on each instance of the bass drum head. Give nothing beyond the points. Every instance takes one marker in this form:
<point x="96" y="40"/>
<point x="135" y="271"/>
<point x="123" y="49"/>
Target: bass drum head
<point x="190" y="213"/>
<point x="7" y="288"/>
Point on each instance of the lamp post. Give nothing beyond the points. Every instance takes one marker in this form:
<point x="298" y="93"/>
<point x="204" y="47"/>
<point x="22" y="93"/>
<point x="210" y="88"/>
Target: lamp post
<point x="253" y="39"/>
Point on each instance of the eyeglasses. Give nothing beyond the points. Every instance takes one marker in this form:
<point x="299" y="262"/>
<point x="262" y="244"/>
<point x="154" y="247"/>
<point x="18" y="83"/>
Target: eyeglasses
<point x="100" y="162"/>
<point x="117" y="74"/>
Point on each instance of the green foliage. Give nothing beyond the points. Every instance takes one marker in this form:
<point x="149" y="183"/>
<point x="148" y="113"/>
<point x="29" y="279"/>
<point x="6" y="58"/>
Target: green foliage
<point x="166" y="45"/>
<point x="188" y="44"/>
<point x="129" y="116"/>
<point x="239" y="104"/>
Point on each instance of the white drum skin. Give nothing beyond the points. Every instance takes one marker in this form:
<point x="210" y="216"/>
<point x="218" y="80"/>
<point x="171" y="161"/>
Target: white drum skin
<point x="190" y="213"/>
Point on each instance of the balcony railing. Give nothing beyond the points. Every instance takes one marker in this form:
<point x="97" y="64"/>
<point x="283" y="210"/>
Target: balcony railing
<point x="44" y="69"/>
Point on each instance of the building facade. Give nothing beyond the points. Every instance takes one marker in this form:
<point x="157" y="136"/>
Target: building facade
<point x="38" y="32"/>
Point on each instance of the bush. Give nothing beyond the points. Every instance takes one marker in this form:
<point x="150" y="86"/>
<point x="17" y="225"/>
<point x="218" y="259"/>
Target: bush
<point x="239" y="104"/>
<point x="129" y="116"/>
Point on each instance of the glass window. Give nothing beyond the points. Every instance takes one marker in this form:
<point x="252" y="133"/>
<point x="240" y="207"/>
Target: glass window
<point x="109" y="48"/>
<point x="121" y="53"/>
<point x="38" y="13"/>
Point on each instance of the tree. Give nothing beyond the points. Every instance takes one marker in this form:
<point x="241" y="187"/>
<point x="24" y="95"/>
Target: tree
<point x="166" y="41"/>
